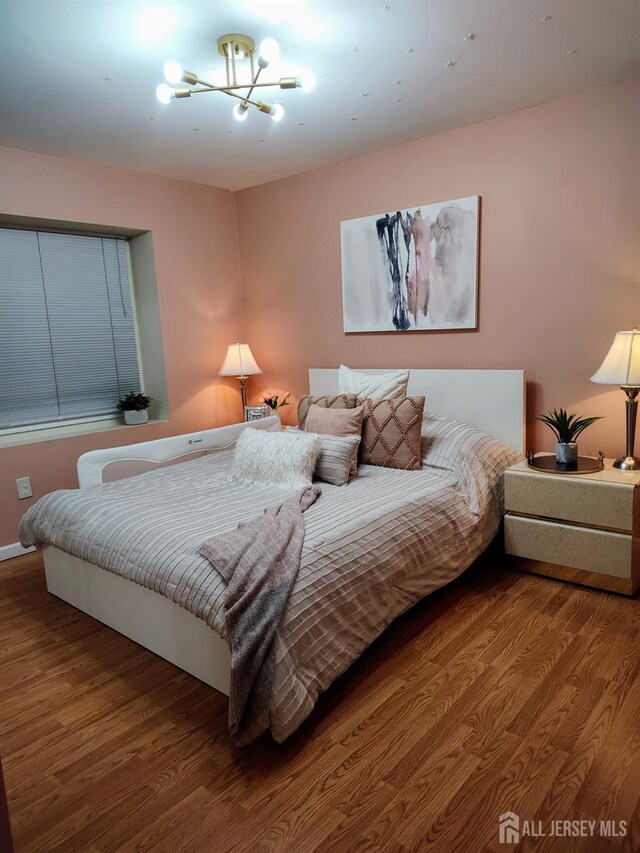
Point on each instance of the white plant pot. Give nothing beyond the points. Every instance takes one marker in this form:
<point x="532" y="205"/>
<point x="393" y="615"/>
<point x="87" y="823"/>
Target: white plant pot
<point x="131" y="418"/>
<point x="567" y="454"/>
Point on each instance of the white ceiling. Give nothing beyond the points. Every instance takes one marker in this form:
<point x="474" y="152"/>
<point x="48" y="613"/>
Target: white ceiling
<point x="79" y="76"/>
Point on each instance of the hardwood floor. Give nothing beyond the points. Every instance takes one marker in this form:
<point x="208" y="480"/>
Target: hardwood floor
<point x="504" y="692"/>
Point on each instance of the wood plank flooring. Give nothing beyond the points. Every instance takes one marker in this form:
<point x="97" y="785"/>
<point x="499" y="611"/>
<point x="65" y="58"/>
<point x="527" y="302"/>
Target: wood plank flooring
<point x="503" y="692"/>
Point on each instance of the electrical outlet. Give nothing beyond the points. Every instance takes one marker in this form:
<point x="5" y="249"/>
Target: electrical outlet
<point x="24" y="488"/>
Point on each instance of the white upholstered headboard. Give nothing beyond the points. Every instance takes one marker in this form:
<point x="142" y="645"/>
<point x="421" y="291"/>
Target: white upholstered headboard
<point x="490" y="400"/>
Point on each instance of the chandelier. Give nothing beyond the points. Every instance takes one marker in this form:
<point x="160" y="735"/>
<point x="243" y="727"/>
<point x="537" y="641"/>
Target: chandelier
<point x="239" y="54"/>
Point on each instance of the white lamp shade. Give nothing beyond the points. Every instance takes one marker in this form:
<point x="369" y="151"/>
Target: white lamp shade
<point x="621" y="365"/>
<point x="239" y="361"/>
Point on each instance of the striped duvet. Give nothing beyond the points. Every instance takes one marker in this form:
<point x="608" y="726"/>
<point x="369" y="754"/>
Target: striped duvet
<point x="372" y="548"/>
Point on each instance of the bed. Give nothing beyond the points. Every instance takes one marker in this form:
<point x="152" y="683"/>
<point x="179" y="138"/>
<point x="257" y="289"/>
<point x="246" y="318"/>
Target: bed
<point x="372" y="548"/>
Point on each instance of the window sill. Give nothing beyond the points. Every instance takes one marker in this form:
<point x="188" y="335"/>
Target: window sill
<point x="14" y="439"/>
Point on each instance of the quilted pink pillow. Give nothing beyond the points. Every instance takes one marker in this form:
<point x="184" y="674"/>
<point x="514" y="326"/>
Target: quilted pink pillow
<point x="391" y="433"/>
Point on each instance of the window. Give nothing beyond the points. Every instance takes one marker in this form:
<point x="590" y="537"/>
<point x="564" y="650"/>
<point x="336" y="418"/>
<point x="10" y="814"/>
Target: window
<point x="68" y="345"/>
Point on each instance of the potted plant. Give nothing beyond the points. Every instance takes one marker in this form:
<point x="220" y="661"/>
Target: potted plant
<point x="134" y="408"/>
<point x="274" y="402"/>
<point x="567" y="428"/>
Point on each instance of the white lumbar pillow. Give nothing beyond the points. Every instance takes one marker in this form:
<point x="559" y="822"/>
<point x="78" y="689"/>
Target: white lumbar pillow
<point x="277" y="459"/>
<point x="390" y="385"/>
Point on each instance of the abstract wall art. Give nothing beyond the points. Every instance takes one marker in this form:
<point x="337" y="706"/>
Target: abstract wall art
<point x="412" y="270"/>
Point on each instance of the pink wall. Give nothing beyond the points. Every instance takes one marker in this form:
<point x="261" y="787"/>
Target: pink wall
<point x="198" y="276"/>
<point x="559" y="253"/>
<point x="558" y="274"/>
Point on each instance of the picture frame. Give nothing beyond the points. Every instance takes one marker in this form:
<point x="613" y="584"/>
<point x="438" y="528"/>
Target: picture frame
<point x="256" y="413"/>
<point x="412" y="270"/>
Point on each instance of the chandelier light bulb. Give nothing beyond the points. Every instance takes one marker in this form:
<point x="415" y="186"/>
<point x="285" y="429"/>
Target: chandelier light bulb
<point x="164" y="93"/>
<point x="277" y="112"/>
<point x="307" y="81"/>
<point x="240" y="112"/>
<point x="269" y="52"/>
<point x="173" y="72"/>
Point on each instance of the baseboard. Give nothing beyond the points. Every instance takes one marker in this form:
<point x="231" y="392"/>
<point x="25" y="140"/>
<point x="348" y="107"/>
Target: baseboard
<point x="7" y="552"/>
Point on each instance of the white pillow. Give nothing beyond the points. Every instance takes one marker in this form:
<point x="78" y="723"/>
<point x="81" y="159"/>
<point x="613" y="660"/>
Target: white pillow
<point x="390" y="385"/>
<point x="336" y="454"/>
<point x="275" y="458"/>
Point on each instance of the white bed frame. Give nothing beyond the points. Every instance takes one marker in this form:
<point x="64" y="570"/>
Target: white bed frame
<point x="491" y="400"/>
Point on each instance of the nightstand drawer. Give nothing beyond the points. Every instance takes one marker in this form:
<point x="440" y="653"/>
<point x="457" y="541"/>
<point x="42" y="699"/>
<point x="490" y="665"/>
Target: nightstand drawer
<point x="583" y="548"/>
<point x="569" y="498"/>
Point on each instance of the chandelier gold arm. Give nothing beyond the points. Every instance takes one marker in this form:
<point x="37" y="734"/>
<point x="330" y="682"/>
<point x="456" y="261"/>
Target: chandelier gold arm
<point x="243" y="98"/>
<point x="209" y="87"/>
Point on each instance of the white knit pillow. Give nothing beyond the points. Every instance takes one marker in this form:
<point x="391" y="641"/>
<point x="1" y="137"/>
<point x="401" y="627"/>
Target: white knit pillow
<point x="276" y="459"/>
<point x="391" y="385"/>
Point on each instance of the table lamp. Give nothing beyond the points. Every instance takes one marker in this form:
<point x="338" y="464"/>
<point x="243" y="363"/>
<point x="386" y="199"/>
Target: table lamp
<point x="239" y="362"/>
<point x="621" y="366"/>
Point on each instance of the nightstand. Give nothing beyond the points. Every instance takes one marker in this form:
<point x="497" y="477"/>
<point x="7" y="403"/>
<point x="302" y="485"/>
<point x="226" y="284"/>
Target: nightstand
<point x="583" y="528"/>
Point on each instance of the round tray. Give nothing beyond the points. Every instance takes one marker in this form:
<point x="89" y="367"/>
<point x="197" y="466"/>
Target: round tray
<point x="547" y="462"/>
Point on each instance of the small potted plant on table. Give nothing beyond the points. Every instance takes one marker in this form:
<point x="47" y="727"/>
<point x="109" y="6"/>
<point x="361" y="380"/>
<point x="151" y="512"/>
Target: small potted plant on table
<point x="134" y="408"/>
<point x="566" y="428"/>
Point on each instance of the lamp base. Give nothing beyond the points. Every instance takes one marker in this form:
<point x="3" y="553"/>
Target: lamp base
<point x="243" y="394"/>
<point x="627" y="463"/>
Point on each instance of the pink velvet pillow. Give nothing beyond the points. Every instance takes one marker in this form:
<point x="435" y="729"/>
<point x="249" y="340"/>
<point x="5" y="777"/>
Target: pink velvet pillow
<point x="335" y="401"/>
<point x="335" y="422"/>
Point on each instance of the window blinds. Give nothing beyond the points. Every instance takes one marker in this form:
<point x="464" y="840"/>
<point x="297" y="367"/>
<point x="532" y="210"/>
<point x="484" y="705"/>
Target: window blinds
<point x="67" y="333"/>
